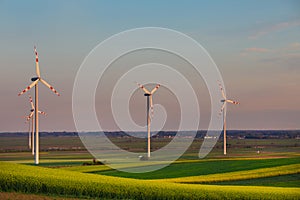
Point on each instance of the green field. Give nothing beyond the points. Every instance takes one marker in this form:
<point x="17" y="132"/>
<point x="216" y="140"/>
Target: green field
<point x="242" y="174"/>
<point x="39" y="180"/>
<point x="290" y="180"/>
<point x="204" y="167"/>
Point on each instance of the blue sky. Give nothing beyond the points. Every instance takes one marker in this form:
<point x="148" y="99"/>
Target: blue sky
<point x="255" y="44"/>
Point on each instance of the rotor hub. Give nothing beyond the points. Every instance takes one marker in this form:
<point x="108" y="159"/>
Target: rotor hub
<point x="34" y="78"/>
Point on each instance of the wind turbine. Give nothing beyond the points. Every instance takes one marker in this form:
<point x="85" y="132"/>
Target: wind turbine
<point x="149" y="106"/>
<point x="29" y="119"/>
<point x="36" y="80"/>
<point x="223" y="109"/>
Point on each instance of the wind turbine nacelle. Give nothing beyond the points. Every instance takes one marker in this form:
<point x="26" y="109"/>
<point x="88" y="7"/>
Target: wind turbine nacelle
<point x="34" y="78"/>
<point x="223" y="100"/>
<point x="31" y="110"/>
<point x="147" y="94"/>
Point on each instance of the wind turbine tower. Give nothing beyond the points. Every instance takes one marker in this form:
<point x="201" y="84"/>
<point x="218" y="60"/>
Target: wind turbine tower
<point x="149" y="106"/>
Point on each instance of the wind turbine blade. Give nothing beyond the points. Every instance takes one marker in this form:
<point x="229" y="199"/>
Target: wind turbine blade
<point x="233" y="102"/>
<point x="31" y="102"/>
<point x="222" y="90"/>
<point x="41" y="112"/>
<point x="27" y="118"/>
<point x="29" y="87"/>
<point x="151" y="107"/>
<point x="222" y="109"/>
<point x="31" y="114"/>
<point x="49" y="86"/>
<point x="156" y="87"/>
<point x="37" y="67"/>
<point x="143" y="88"/>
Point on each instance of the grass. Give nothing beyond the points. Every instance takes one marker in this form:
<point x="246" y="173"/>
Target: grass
<point x="271" y="176"/>
<point x="203" y="167"/>
<point x="240" y="175"/>
<point x="38" y="180"/>
<point x="290" y="180"/>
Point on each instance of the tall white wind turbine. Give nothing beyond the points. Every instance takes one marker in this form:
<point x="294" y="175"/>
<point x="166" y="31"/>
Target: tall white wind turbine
<point x="29" y="119"/>
<point x="223" y="110"/>
<point x="36" y="80"/>
<point x="149" y="106"/>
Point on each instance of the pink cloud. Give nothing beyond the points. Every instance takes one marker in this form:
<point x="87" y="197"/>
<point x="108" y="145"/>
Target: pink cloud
<point x="292" y="47"/>
<point x="274" y="28"/>
<point x="256" y="50"/>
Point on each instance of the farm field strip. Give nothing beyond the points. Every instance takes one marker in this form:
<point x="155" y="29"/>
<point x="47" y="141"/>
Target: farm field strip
<point x="31" y="179"/>
<point x="239" y="175"/>
<point x="188" y="169"/>
<point x="87" y="169"/>
<point x="99" y="168"/>
<point x="290" y="180"/>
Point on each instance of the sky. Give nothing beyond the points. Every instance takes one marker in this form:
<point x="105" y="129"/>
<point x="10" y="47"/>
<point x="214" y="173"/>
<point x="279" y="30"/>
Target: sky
<point x="255" y="44"/>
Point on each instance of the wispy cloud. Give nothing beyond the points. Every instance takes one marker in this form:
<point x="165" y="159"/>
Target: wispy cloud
<point x="289" y="49"/>
<point x="256" y="50"/>
<point x="284" y="58"/>
<point x="294" y="46"/>
<point x="274" y="28"/>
